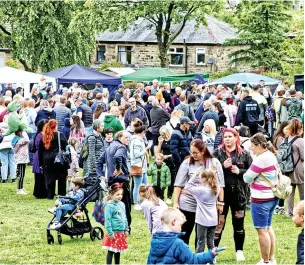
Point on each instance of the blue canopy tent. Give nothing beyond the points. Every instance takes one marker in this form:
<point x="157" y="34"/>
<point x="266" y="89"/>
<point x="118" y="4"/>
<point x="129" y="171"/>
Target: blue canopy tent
<point x="246" y="78"/>
<point x="84" y="75"/>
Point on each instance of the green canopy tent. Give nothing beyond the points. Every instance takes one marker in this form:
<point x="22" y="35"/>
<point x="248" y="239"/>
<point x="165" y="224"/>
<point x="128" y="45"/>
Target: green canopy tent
<point x="148" y="74"/>
<point x="161" y="74"/>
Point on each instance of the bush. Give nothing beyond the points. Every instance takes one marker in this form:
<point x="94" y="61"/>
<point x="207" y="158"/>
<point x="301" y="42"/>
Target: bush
<point x="13" y="63"/>
<point x="104" y="65"/>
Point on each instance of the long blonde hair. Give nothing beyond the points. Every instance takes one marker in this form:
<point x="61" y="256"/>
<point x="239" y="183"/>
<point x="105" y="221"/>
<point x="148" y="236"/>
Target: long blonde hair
<point x="164" y="129"/>
<point x="212" y="125"/>
<point x="209" y="177"/>
<point x="148" y="193"/>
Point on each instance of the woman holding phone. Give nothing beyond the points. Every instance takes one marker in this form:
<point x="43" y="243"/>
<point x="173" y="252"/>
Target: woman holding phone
<point x="235" y="162"/>
<point x="138" y="159"/>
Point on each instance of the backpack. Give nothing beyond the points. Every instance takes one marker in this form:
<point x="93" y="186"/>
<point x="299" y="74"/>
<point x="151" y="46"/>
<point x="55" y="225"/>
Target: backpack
<point x="270" y="113"/>
<point x="85" y="148"/>
<point x="283" y="188"/>
<point x="98" y="212"/>
<point x="285" y="157"/>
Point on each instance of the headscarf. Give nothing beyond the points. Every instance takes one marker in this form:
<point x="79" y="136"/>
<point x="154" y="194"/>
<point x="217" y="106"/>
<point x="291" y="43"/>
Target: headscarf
<point x="238" y="148"/>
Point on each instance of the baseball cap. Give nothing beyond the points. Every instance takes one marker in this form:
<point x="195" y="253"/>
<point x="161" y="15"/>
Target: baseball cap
<point x="185" y="119"/>
<point x="121" y="86"/>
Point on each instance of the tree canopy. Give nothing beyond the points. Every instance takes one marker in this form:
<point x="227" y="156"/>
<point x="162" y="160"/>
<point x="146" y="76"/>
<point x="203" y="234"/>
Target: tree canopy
<point x="261" y="26"/>
<point x="100" y="15"/>
<point x="39" y="36"/>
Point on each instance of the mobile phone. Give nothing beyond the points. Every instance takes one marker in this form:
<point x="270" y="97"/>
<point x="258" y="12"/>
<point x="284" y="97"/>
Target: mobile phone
<point x="220" y="249"/>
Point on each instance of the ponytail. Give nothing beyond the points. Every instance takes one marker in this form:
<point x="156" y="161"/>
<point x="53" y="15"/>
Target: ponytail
<point x="150" y="194"/>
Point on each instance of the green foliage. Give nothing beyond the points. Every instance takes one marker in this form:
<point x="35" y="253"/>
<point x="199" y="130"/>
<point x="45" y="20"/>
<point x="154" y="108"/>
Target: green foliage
<point x="104" y="65"/>
<point x="217" y="75"/>
<point x="100" y="15"/>
<point x="13" y="63"/>
<point x="40" y="35"/>
<point x="261" y="27"/>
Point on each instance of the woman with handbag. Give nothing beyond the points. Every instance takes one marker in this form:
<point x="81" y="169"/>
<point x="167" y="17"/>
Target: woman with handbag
<point x="262" y="172"/>
<point x="53" y="142"/>
<point x="138" y="169"/>
<point x="235" y="161"/>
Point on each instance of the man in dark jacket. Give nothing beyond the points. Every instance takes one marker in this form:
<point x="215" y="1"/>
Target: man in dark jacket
<point x="248" y="112"/>
<point x="115" y="159"/>
<point x="45" y="113"/>
<point x="207" y="114"/>
<point x="158" y="117"/>
<point x="135" y="111"/>
<point x="84" y="112"/>
<point x="98" y="101"/>
<point x="180" y="141"/>
<point x="62" y="112"/>
<point x="119" y="93"/>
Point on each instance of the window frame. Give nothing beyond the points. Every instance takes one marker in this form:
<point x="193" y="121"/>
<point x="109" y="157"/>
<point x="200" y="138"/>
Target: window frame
<point x="169" y="52"/>
<point x="120" y="52"/>
<point x="197" y="52"/>
<point x="97" y="52"/>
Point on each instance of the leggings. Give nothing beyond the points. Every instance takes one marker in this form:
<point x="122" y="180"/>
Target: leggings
<point x="188" y="227"/>
<point x="20" y="174"/>
<point x="110" y="254"/>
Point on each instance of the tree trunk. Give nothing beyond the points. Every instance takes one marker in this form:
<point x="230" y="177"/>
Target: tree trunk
<point x="163" y="57"/>
<point x="25" y="65"/>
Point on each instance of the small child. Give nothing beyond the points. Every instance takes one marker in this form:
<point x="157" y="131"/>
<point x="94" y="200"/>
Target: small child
<point x="108" y="137"/>
<point x="20" y="144"/>
<point x="65" y="130"/>
<point x="73" y="171"/>
<point x="205" y="194"/>
<point x="298" y="219"/>
<point x="62" y="206"/>
<point x="167" y="248"/>
<point x="116" y="224"/>
<point x="152" y="207"/>
<point x="160" y="174"/>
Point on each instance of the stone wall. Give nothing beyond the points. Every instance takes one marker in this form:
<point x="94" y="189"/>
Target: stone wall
<point x="147" y="55"/>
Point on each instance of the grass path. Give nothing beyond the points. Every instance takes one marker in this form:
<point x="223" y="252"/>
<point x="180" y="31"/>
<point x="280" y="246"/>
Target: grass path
<point x="23" y="221"/>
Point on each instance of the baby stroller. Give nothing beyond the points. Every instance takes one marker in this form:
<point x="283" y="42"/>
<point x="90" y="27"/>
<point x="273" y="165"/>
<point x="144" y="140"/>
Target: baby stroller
<point x="74" y="227"/>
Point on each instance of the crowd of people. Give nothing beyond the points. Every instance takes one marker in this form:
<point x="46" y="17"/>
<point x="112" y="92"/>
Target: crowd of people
<point x="197" y="148"/>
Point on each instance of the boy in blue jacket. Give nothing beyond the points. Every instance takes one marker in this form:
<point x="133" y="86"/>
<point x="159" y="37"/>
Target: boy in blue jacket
<point x="167" y="248"/>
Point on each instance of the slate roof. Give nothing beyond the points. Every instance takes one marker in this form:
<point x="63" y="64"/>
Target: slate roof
<point x="216" y="32"/>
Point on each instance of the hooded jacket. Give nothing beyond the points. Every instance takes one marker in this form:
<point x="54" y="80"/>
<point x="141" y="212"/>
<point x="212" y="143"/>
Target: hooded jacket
<point x="138" y="113"/>
<point x="158" y="117"/>
<point x="248" y="112"/>
<point x="65" y="130"/>
<point x="110" y="121"/>
<point x="294" y="108"/>
<point x="168" y="248"/>
<point x="165" y="175"/>
<point x="45" y="114"/>
<point x="187" y="109"/>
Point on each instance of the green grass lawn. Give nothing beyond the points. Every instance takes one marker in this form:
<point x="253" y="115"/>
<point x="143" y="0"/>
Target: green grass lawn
<point x="23" y="221"/>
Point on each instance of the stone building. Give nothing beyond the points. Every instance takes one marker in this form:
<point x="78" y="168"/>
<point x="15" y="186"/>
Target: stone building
<point x="196" y="49"/>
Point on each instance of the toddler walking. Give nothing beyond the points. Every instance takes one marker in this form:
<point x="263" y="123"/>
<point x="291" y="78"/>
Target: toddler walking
<point x="73" y="170"/>
<point x="20" y="144"/>
<point x="116" y="224"/>
<point x="152" y="207"/>
<point x="160" y="174"/>
<point x="205" y="194"/>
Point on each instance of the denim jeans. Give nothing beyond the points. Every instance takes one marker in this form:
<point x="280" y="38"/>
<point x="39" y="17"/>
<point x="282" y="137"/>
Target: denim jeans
<point x="63" y="210"/>
<point x="137" y="182"/>
<point x="8" y="163"/>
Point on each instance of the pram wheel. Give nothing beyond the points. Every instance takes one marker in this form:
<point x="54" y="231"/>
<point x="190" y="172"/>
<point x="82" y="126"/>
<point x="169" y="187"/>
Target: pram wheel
<point x="59" y="239"/>
<point x="96" y="233"/>
<point x="50" y="239"/>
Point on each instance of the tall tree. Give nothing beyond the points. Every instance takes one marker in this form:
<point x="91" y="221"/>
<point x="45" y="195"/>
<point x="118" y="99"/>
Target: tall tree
<point x="261" y="27"/>
<point x="100" y="15"/>
<point x="38" y="33"/>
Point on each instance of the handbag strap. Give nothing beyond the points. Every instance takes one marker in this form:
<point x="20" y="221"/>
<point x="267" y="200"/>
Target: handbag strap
<point x="278" y="174"/>
<point x="58" y="136"/>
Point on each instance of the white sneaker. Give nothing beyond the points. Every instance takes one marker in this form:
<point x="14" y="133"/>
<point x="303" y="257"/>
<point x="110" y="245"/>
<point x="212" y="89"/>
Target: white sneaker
<point x="137" y="207"/>
<point x="240" y="255"/>
<point x="25" y="191"/>
<point x="21" y="192"/>
<point x="273" y="261"/>
<point x="52" y="210"/>
<point x="168" y="201"/>
<point x="55" y="225"/>
<point x="261" y="262"/>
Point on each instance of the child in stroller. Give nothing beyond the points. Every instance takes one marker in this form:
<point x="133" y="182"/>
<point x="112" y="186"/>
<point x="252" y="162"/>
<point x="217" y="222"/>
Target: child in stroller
<point x="62" y="206"/>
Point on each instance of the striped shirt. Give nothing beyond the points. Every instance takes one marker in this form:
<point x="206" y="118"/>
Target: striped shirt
<point x="264" y="164"/>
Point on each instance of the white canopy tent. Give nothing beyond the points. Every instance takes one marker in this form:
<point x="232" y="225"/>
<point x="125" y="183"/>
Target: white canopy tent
<point x="21" y="78"/>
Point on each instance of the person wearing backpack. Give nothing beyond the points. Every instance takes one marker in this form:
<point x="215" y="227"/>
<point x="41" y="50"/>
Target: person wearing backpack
<point x="296" y="160"/>
<point x="262" y="173"/>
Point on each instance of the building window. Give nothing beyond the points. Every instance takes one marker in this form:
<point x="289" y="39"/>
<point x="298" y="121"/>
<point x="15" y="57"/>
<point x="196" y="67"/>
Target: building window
<point x="101" y="53"/>
<point x="176" y="56"/>
<point x="200" y="55"/>
<point x="233" y="64"/>
<point x="125" y="54"/>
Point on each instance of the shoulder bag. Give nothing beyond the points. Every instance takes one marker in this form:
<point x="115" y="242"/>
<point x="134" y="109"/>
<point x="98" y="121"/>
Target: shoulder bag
<point x="61" y="158"/>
